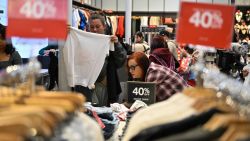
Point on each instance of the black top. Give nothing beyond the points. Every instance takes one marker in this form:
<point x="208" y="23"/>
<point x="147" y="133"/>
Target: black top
<point x="15" y="59"/>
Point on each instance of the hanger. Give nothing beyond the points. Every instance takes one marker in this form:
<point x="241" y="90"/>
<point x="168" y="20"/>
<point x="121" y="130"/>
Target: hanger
<point x="10" y="137"/>
<point x="76" y="98"/>
<point x="236" y="131"/>
<point x="21" y="126"/>
<point x="200" y="92"/>
<point x="224" y="120"/>
<point x="206" y="98"/>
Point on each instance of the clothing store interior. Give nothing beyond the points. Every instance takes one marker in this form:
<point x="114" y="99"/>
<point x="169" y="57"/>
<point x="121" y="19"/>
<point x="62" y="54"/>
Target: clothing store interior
<point x="125" y="70"/>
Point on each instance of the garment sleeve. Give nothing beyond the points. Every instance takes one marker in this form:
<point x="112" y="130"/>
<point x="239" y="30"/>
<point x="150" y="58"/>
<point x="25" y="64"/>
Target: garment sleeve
<point x="119" y="55"/>
<point x="156" y="76"/>
<point x="17" y="60"/>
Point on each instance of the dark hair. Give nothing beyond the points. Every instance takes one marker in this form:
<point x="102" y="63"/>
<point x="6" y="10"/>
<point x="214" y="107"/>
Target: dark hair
<point x="142" y="60"/>
<point x="164" y="33"/>
<point x="2" y="32"/>
<point x="98" y="16"/>
<point x="158" y="42"/>
<point x="9" y="49"/>
<point x="139" y="34"/>
<point x="189" y="49"/>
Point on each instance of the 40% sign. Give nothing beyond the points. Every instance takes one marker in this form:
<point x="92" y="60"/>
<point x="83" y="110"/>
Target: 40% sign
<point x="38" y="9"/>
<point x="206" y="19"/>
<point x="141" y="91"/>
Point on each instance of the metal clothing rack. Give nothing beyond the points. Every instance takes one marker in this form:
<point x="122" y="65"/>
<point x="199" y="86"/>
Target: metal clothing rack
<point x="78" y="4"/>
<point x="237" y="95"/>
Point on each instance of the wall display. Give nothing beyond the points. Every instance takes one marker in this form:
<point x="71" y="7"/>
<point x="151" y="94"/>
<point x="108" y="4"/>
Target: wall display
<point x="242" y="24"/>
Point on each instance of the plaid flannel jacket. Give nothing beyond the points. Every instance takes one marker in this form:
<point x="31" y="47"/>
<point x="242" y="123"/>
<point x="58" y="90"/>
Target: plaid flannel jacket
<point x="167" y="81"/>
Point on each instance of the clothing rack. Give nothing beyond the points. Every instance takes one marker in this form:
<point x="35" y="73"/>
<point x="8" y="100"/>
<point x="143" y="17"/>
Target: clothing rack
<point x="146" y="13"/>
<point x="78" y="4"/>
<point x="236" y="93"/>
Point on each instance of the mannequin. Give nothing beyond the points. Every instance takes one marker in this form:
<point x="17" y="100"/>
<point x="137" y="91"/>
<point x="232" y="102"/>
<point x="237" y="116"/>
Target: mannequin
<point x="238" y="15"/>
<point x="244" y="28"/>
<point x="248" y="29"/>
<point x="237" y="28"/>
<point x="248" y="16"/>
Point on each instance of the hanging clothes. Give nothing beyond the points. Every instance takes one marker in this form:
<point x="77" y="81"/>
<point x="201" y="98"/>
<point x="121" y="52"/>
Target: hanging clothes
<point x="109" y="28"/>
<point x="83" y="21"/>
<point x="120" y="29"/>
<point x="154" y="20"/>
<point x="114" y="23"/>
<point x="144" y="21"/>
<point x="75" y="18"/>
<point x="80" y="51"/>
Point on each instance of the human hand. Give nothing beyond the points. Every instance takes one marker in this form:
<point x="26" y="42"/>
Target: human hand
<point x="245" y="73"/>
<point x="46" y="52"/>
<point x="114" y="39"/>
<point x="68" y="28"/>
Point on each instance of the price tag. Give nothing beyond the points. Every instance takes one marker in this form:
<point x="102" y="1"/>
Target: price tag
<point x="206" y="24"/>
<point x="143" y="91"/>
<point x="37" y="18"/>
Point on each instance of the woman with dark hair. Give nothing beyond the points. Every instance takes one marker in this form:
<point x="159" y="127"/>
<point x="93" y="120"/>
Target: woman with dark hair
<point x="8" y="55"/>
<point x="137" y="66"/>
<point x="139" y="44"/>
<point x="162" y="70"/>
<point x="160" y="53"/>
<point x="107" y="86"/>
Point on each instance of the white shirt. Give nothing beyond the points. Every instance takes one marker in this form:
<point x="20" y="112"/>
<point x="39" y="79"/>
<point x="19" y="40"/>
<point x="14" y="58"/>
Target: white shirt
<point x="141" y="47"/>
<point x="84" y="56"/>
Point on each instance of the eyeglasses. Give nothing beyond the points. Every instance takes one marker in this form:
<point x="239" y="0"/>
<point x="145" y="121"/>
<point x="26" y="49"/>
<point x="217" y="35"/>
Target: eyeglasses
<point x="132" y="67"/>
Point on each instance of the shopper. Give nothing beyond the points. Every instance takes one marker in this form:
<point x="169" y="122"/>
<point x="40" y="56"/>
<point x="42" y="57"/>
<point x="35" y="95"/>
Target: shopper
<point x="140" y="44"/>
<point x="52" y="52"/>
<point x="107" y="86"/>
<point x="160" y="53"/>
<point x="245" y="73"/>
<point x="137" y="66"/>
<point x="172" y="46"/>
<point x="162" y="70"/>
<point x="8" y="55"/>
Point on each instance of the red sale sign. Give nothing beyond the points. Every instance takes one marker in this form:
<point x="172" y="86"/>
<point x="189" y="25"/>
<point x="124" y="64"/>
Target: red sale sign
<point x="206" y="24"/>
<point x="37" y="18"/>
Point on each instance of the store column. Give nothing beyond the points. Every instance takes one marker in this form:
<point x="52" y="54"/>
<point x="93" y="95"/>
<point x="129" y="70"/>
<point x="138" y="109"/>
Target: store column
<point x="63" y="82"/>
<point x="128" y="18"/>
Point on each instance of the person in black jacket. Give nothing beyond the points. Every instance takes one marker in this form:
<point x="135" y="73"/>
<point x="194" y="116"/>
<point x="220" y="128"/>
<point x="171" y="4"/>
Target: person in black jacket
<point x="8" y="55"/>
<point x="107" y="86"/>
<point x="52" y="52"/>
